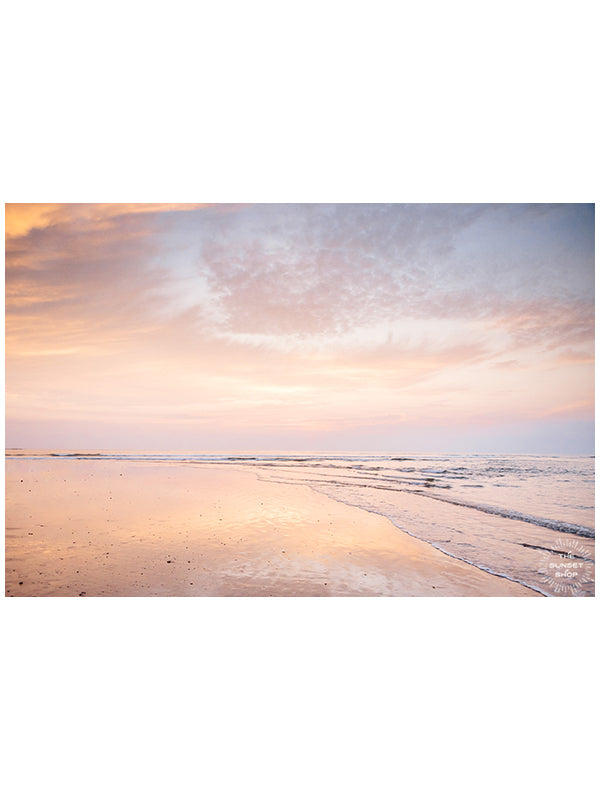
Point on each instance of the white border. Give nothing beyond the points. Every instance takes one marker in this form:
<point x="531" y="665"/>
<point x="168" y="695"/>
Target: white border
<point x="297" y="102"/>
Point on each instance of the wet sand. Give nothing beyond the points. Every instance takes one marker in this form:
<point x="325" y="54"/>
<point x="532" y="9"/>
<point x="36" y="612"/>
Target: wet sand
<point x="124" y="529"/>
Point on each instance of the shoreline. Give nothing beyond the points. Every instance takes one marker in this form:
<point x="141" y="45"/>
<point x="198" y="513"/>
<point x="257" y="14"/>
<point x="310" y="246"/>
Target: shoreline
<point x="436" y="547"/>
<point x="129" y="529"/>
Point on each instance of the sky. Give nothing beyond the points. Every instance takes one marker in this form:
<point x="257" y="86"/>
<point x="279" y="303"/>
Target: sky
<point x="216" y="328"/>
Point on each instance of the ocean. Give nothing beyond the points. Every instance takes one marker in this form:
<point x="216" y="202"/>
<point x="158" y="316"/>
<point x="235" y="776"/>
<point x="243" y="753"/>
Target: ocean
<point x="528" y="518"/>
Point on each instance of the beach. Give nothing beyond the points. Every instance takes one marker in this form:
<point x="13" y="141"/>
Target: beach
<point x="117" y="528"/>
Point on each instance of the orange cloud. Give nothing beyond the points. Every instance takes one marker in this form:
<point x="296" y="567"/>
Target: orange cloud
<point x="20" y="218"/>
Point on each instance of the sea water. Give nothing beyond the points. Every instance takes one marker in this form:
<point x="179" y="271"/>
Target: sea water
<point x="528" y="518"/>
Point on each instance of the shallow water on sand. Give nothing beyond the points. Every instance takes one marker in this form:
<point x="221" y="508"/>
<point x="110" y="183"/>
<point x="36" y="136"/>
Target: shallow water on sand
<point x="93" y="527"/>
<point x="528" y="518"/>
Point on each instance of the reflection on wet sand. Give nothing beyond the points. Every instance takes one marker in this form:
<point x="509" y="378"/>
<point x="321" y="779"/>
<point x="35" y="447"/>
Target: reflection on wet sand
<point x="89" y="528"/>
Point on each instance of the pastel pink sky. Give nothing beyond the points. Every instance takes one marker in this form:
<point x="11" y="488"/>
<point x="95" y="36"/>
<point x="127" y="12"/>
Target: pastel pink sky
<point x="207" y="328"/>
